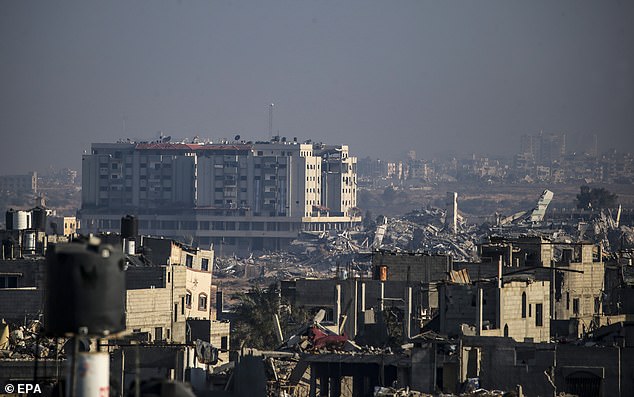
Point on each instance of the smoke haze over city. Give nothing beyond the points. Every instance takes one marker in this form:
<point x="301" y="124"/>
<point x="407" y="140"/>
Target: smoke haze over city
<point x="382" y="77"/>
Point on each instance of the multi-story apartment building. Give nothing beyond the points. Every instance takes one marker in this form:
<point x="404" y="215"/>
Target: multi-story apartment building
<point x="240" y="196"/>
<point x="19" y="184"/>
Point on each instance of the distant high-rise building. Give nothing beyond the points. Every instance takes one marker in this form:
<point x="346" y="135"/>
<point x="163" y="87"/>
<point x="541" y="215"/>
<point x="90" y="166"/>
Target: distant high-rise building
<point x="243" y="196"/>
<point x="19" y="184"/>
<point x="543" y="148"/>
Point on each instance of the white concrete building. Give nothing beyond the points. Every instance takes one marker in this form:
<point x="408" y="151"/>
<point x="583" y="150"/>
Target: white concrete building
<point x="239" y="197"/>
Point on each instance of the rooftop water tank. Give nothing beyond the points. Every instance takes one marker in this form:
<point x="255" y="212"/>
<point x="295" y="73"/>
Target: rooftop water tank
<point x="21" y="220"/>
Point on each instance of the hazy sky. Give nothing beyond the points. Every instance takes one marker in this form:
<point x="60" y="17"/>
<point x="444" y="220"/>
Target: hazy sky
<point x="382" y="76"/>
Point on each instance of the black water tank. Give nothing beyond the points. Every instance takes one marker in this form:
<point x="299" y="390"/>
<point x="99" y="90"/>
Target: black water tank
<point x="9" y="219"/>
<point x="39" y="219"/>
<point x="129" y="227"/>
<point x="85" y="290"/>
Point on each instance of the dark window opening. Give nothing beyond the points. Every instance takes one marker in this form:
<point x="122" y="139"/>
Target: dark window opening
<point x="204" y="264"/>
<point x="188" y="300"/>
<point x="202" y="302"/>
<point x="538" y="315"/>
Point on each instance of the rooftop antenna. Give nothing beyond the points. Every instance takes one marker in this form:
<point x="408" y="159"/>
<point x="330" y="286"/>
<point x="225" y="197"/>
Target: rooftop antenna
<point x="271" y="120"/>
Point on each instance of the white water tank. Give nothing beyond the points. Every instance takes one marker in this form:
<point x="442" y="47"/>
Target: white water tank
<point x="92" y="377"/>
<point x="29" y="241"/>
<point x="129" y="246"/>
<point x="21" y="220"/>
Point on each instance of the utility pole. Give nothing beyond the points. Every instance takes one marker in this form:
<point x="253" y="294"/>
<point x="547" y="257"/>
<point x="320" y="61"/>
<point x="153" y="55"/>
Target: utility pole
<point x="271" y="120"/>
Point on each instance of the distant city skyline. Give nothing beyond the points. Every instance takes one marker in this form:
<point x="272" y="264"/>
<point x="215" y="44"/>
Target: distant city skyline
<point x="381" y="77"/>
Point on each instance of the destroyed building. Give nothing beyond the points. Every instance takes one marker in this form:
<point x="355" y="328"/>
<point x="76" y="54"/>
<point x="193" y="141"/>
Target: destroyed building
<point x="515" y="308"/>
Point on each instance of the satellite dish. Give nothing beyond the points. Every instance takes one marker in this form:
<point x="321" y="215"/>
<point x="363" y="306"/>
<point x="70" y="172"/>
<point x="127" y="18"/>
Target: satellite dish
<point x="237" y="138"/>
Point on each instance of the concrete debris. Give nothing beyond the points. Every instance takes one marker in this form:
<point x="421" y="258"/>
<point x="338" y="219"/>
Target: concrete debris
<point x="425" y="231"/>
<point x="392" y="392"/>
<point x="26" y="342"/>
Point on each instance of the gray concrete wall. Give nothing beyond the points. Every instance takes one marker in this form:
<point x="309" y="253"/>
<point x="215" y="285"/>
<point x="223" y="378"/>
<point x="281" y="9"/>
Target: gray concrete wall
<point x="601" y="360"/>
<point x="415" y="267"/>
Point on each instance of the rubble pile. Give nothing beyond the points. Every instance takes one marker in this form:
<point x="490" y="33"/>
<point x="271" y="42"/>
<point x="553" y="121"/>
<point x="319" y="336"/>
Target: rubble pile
<point x="425" y="231"/>
<point x="311" y="255"/>
<point x="322" y="254"/>
<point x="26" y="342"/>
<point x="393" y="392"/>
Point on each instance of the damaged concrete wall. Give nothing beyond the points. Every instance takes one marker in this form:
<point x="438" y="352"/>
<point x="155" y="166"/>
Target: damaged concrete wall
<point x="413" y="266"/>
<point x="533" y="322"/>
<point x="520" y="309"/>
<point x="504" y="364"/>
<point x="590" y="368"/>
<point x="579" y="294"/>
<point x="159" y="311"/>
<point x="23" y="293"/>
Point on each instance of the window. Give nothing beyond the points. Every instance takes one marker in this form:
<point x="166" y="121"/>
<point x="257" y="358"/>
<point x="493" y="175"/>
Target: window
<point x="202" y="302"/>
<point x="523" y="304"/>
<point x="538" y="315"/>
<point x="189" y="260"/>
<point x="224" y="345"/>
<point x="204" y="264"/>
<point x="575" y="306"/>
<point x="188" y="300"/>
<point x="158" y="333"/>
<point x="8" y="281"/>
<point x="567" y="300"/>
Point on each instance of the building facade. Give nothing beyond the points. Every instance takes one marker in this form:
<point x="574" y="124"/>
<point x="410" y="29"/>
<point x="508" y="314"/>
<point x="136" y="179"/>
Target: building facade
<point x="19" y="184"/>
<point x="241" y="196"/>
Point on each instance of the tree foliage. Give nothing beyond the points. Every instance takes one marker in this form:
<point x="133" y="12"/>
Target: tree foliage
<point x="254" y="326"/>
<point x="595" y="198"/>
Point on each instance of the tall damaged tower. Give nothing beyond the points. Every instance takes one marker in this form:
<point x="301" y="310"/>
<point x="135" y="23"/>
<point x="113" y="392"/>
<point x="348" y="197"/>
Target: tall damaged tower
<point x="537" y="215"/>
<point x="451" y="220"/>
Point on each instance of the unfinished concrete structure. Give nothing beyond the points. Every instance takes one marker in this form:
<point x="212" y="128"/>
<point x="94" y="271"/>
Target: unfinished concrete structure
<point x="515" y="308"/>
<point x="356" y="306"/>
<point x="576" y="273"/>
<point x="410" y="266"/>
<point x="579" y="285"/>
<point x="155" y="303"/>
